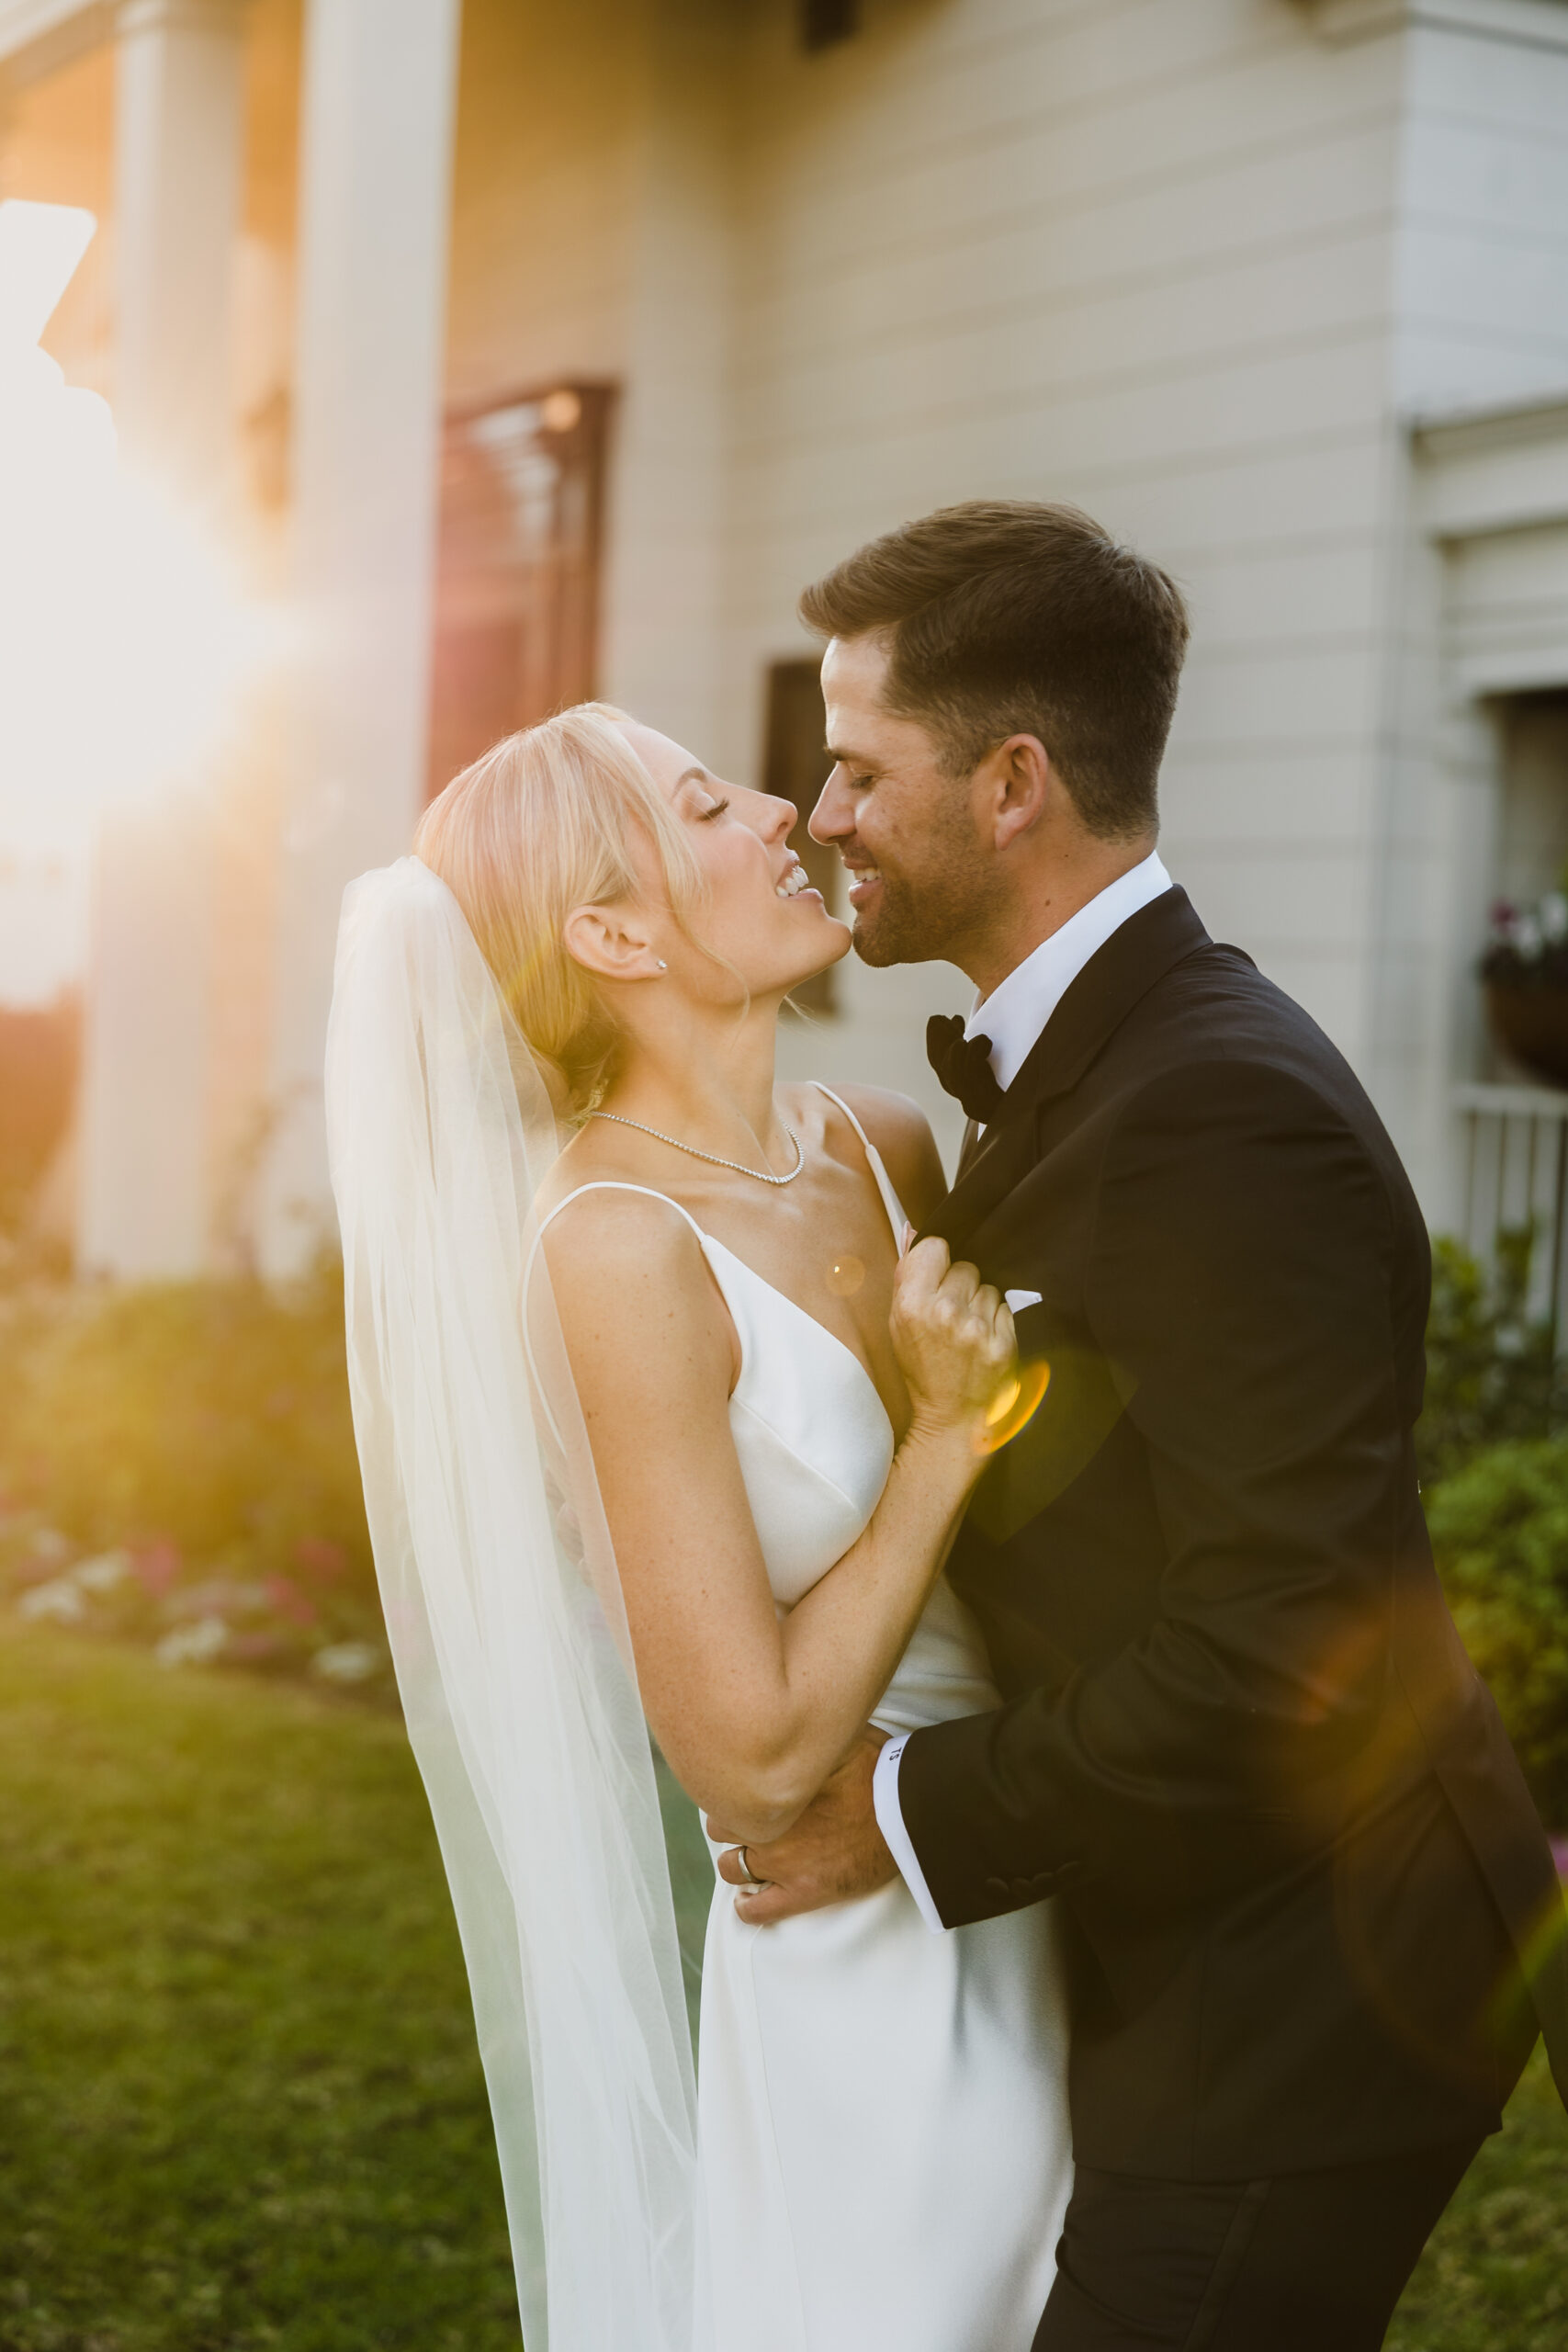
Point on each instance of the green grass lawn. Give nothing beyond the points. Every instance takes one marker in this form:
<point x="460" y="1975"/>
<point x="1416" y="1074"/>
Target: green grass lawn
<point x="1494" y="2278"/>
<point x="240" y="2102"/>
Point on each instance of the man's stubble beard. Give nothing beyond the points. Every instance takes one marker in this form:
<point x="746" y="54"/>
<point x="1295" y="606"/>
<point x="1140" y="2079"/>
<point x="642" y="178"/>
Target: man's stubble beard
<point x="926" y="921"/>
<point x="897" y="936"/>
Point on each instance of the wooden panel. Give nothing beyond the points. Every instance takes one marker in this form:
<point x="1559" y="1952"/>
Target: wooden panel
<point x="517" y="568"/>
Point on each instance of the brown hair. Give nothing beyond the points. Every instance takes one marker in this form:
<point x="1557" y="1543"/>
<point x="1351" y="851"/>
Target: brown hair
<point x="1004" y="617"/>
<point x="542" y="823"/>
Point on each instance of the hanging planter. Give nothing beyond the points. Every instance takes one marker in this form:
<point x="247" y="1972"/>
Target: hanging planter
<point x="1524" y="974"/>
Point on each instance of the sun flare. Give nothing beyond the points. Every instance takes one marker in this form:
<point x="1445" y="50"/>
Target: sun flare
<point x="126" y="638"/>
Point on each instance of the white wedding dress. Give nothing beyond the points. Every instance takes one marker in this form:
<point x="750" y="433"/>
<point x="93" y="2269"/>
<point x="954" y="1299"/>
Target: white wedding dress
<point x="883" y="2136"/>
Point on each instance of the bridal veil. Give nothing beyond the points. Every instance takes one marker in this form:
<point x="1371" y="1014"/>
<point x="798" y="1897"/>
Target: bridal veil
<point x="504" y="1616"/>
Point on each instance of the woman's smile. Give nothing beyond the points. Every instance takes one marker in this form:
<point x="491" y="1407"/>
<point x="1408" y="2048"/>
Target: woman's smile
<point x="793" y="882"/>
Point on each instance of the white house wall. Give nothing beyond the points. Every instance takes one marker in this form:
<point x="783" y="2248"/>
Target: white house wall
<point x="1480" y="324"/>
<point x="591" y="239"/>
<point x="1482" y="285"/>
<point x="663" y="632"/>
<point x="542" y="194"/>
<point x="1191" y="262"/>
<point x="1138" y="255"/>
<point x="1507" y="609"/>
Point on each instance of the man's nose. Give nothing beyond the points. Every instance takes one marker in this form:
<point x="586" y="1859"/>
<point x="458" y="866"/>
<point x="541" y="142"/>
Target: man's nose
<point x="832" y="818"/>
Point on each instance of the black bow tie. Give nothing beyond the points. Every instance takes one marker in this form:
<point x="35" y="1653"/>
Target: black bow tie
<point x="963" y="1066"/>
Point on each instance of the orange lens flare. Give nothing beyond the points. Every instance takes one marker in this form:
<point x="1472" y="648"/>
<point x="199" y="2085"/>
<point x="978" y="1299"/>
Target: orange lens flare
<point x="845" y="1276"/>
<point x="1015" y="1405"/>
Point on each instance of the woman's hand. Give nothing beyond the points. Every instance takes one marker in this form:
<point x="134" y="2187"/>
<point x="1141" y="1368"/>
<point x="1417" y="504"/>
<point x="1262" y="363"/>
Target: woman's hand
<point x="954" y="1338"/>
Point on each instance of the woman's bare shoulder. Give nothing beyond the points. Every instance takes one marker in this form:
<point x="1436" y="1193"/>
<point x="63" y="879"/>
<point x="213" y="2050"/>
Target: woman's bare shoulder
<point x="606" y="1226"/>
<point x="901" y="1132"/>
<point x="633" y="1291"/>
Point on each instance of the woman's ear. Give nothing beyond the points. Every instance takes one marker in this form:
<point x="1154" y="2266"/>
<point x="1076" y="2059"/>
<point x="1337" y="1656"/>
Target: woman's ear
<point x="612" y="943"/>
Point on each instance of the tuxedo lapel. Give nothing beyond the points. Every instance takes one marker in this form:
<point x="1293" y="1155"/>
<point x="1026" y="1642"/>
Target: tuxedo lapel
<point x="1144" y="948"/>
<point x="999" y="1160"/>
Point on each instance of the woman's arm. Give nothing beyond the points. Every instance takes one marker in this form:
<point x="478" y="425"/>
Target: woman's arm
<point x="753" y="1712"/>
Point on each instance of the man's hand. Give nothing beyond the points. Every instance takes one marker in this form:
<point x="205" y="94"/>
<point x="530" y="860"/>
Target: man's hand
<point x="834" y="1853"/>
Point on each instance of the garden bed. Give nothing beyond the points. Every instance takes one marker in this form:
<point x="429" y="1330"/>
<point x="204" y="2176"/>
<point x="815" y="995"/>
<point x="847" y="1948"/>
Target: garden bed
<point x="177" y="1467"/>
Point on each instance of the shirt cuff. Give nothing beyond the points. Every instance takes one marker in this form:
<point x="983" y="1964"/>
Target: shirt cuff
<point x="890" y="1821"/>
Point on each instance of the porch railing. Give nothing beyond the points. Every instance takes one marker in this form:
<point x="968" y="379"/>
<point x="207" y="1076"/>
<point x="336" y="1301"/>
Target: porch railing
<point x="1515" y="1168"/>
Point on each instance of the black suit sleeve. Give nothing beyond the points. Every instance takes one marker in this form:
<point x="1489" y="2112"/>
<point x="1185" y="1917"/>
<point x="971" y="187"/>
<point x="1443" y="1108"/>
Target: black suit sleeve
<point x="1240" y="1284"/>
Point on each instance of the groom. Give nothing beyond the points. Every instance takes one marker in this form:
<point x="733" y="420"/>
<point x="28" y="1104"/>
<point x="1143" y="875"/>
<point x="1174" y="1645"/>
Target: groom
<point x="1313" y="1924"/>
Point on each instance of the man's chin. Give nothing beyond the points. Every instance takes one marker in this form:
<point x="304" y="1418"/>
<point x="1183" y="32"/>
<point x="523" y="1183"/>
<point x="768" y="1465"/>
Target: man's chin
<point x="905" y="922"/>
<point x="881" y="942"/>
<point x="899" y="925"/>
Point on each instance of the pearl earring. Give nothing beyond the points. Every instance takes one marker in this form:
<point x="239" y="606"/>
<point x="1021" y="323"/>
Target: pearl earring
<point x="662" y="964"/>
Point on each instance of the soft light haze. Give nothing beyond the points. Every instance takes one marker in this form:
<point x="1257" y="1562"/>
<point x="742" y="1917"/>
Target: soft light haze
<point x="122" y="635"/>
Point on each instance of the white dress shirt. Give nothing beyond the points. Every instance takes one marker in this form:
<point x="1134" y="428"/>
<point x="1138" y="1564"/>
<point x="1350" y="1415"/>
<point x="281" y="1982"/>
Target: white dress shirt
<point x="1018" y="1008"/>
<point x="1014" y="1016"/>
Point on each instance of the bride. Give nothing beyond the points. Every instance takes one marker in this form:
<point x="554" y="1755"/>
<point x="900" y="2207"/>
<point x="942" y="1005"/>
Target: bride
<point x="662" y="1420"/>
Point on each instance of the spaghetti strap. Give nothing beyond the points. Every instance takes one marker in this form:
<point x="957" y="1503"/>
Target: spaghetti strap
<point x="847" y="1111"/>
<point x="609" y="1185"/>
<point x="898" y="1216"/>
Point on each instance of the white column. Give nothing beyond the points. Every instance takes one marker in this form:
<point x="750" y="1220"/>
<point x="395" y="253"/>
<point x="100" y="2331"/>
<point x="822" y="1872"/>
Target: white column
<point x="179" y="150"/>
<point x="179" y="123"/>
<point x="142" y="1209"/>
<point x="376" y="169"/>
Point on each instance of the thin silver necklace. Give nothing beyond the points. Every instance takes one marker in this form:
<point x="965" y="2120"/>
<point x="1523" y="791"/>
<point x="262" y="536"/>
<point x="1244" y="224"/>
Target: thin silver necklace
<point x="712" y="1157"/>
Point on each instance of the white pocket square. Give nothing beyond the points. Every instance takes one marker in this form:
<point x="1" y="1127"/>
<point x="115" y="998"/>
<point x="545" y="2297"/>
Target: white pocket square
<point x="1019" y="1299"/>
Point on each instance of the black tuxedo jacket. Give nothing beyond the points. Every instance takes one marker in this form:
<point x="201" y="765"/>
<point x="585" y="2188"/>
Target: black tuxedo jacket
<point x="1300" y="1869"/>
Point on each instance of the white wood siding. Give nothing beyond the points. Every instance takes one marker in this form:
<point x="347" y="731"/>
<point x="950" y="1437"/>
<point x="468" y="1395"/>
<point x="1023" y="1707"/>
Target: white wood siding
<point x="1137" y="254"/>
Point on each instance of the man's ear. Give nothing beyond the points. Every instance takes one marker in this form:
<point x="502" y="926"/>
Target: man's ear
<point x="612" y="942"/>
<point x="1020" y="781"/>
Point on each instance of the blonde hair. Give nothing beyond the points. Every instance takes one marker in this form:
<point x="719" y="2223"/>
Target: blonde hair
<point x="545" y="822"/>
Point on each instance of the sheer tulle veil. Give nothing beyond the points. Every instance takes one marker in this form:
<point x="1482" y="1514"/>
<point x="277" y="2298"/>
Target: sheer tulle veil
<point x="504" y="1616"/>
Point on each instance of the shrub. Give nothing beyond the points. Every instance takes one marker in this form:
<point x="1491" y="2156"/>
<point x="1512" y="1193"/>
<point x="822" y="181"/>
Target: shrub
<point x="1493" y="1450"/>
<point x="177" y="1461"/>
<point x="1491" y="1372"/>
<point x="1500" y="1530"/>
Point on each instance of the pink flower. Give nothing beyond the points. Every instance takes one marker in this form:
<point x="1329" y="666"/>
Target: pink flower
<point x="318" y="1556"/>
<point x="289" y="1602"/>
<point x="157" y="1565"/>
